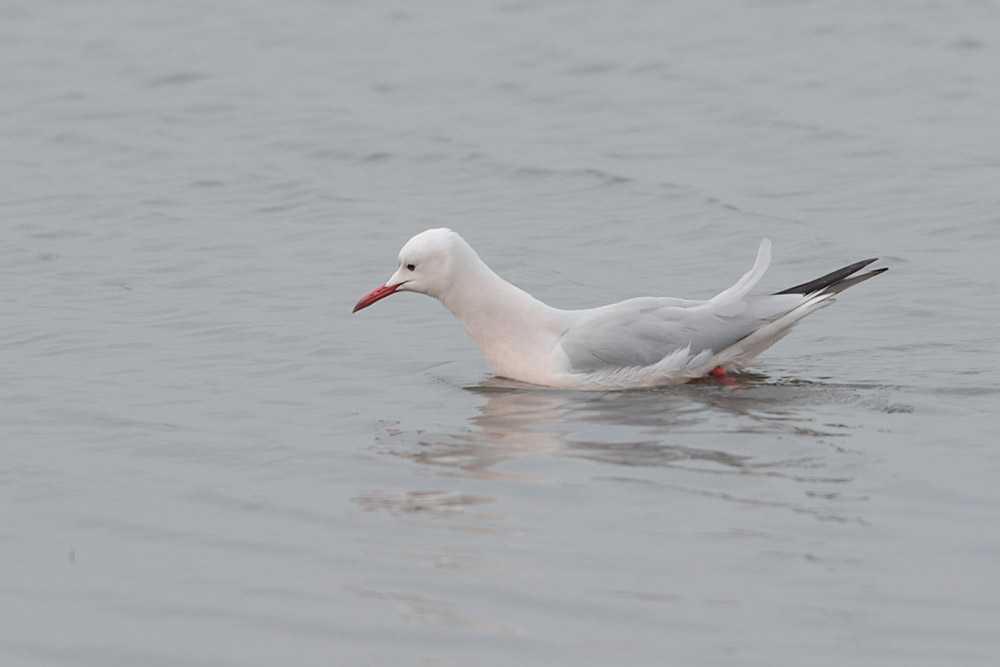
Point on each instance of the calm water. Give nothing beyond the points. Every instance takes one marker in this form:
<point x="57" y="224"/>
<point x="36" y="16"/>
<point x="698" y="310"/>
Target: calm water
<point x="206" y="460"/>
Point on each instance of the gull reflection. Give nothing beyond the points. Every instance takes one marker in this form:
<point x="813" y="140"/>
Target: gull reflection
<point x="761" y="443"/>
<point x="664" y="428"/>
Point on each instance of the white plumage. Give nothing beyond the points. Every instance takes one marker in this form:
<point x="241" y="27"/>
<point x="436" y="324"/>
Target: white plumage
<point x="640" y="342"/>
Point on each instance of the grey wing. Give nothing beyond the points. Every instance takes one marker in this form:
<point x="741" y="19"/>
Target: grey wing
<point x="640" y="332"/>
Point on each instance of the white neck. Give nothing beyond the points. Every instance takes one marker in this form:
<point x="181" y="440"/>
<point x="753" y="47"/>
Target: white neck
<point x="516" y="332"/>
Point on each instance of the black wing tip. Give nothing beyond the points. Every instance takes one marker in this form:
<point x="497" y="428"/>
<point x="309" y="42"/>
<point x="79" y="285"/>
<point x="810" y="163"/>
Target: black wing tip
<point x="839" y="287"/>
<point x="836" y="281"/>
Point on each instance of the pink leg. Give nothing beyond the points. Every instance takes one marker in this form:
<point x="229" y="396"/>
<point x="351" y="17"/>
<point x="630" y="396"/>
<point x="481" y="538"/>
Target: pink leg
<point x="717" y="372"/>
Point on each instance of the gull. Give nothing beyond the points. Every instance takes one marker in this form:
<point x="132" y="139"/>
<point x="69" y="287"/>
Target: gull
<point x="641" y="342"/>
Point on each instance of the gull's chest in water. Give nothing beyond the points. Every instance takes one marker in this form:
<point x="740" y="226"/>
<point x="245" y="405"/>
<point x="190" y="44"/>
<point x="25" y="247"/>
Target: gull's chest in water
<point x="522" y="353"/>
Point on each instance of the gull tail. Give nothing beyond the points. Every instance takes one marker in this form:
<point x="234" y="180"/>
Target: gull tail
<point x="837" y="281"/>
<point x="815" y="294"/>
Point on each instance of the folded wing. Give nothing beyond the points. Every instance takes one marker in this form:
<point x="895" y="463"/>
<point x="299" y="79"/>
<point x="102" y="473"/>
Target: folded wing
<point x="642" y="331"/>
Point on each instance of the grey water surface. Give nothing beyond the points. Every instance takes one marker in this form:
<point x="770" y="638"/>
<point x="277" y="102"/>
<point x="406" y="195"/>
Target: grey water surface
<point x="205" y="459"/>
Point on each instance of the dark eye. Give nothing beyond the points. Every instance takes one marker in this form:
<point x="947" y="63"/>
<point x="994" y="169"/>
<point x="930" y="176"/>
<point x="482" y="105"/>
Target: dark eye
<point x="411" y="267"/>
